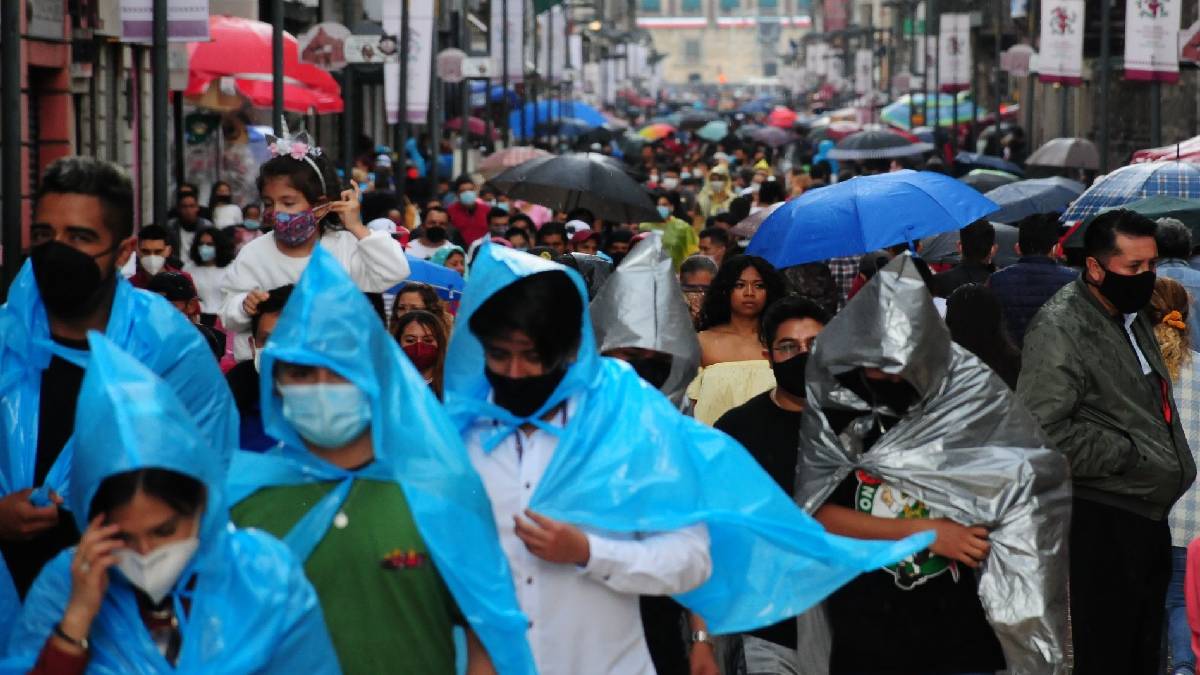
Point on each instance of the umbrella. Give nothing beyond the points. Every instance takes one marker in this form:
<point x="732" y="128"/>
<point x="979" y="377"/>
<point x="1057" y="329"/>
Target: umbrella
<point x="986" y="180"/>
<point x="781" y="117"/>
<point x="750" y="224"/>
<point x="1039" y="195"/>
<point x="475" y="126"/>
<point x="975" y="160"/>
<point x="448" y="283"/>
<point x="543" y="111"/>
<point x="864" y="214"/>
<point x="498" y="162"/>
<point x="952" y="109"/>
<point x="656" y="132"/>
<point x="714" y="131"/>
<point x="1067" y="153"/>
<point x="833" y="131"/>
<point x="1130" y="183"/>
<point x="923" y="134"/>
<point x="876" y="145"/>
<point x="1158" y="206"/>
<point x="594" y="182"/>
<point x="1188" y="150"/>
<point x="772" y="136"/>
<point x="694" y="119"/>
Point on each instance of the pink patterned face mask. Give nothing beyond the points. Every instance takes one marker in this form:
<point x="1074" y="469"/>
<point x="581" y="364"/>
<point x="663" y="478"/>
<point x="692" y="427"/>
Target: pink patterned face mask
<point x="292" y="229"/>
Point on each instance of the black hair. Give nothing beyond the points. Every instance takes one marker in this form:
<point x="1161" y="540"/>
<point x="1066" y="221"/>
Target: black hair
<point x="551" y="228"/>
<point x="434" y="324"/>
<point x="429" y="296"/>
<point x="1174" y="239"/>
<point x="522" y="217"/>
<point x="1100" y="239"/>
<point x="212" y="193"/>
<point x="739" y="209"/>
<point x="184" y="494"/>
<point x="153" y="233"/>
<point x="496" y="212"/>
<point x="185" y="189"/>
<point x="432" y="209"/>
<point x="377" y="203"/>
<point x="221" y="241"/>
<point x="303" y="177"/>
<point x="1037" y="234"/>
<point x="977" y="240"/>
<point x="544" y="306"/>
<point x="786" y="309"/>
<point x="976" y="322"/>
<point x="697" y="263"/>
<point x="583" y="214"/>
<point x="276" y="299"/>
<point x="96" y="178"/>
<point x="770" y="192"/>
<point x="515" y="231"/>
<point x="461" y="181"/>
<point x="619" y="237"/>
<point x="717" y="301"/>
<point x="718" y="235"/>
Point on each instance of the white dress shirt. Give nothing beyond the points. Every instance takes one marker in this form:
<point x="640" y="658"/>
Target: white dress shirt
<point x="583" y="620"/>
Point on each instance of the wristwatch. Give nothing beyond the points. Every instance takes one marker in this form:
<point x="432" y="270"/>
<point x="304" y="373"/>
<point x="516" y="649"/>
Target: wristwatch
<point x="701" y="637"/>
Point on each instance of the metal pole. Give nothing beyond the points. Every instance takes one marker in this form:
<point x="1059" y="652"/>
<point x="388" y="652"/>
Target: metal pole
<point x="937" y="71"/>
<point x="277" y="68"/>
<point x="504" y="106"/>
<point x="464" y="87"/>
<point x="551" y="27"/>
<point x="436" y="108"/>
<point x="1063" y="122"/>
<point x="998" y="6"/>
<point x="350" y="111"/>
<point x="927" y="66"/>
<point x="1155" y="114"/>
<point x="177" y="125"/>
<point x="401" y="171"/>
<point x="1105" y="64"/>
<point x="159" y="91"/>
<point x="1027" y="104"/>
<point x="10" y="137"/>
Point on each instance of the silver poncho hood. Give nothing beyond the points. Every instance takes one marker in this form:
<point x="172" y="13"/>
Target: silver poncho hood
<point x="643" y="306"/>
<point x="967" y="449"/>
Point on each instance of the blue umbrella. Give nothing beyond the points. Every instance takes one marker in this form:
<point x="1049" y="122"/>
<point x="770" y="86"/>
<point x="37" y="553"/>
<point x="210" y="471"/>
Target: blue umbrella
<point x="864" y="214"/>
<point x="544" y="111"/>
<point x="975" y="160"/>
<point x="1027" y="197"/>
<point x="1131" y="183"/>
<point x="448" y="283"/>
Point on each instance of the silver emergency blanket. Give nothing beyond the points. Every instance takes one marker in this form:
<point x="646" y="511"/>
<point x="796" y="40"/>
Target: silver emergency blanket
<point x="967" y="449"/>
<point x="642" y="305"/>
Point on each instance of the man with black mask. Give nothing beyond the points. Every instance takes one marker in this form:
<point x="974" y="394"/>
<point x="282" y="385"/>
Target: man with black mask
<point x="1094" y="377"/>
<point x="433" y="234"/>
<point x="81" y="236"/>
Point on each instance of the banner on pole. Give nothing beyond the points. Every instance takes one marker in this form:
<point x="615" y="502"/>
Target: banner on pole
<point x="864" y="66"/>
<point x="419" y="59"/>
<point x="1061" y="58"/>
<point x="1152" y="40"/>
<point x="516" y="40"/>
<point x="954" y="52"/>
<point x="186" y="21"/>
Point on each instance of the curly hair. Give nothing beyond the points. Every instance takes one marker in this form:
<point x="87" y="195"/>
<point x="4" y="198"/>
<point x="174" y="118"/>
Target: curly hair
<point x="1174" y="342"/>
<point x="716" y="310"/>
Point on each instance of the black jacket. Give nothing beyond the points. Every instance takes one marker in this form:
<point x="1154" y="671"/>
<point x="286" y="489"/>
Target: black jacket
<point x="967" y="272"/>
<point x="1023" y="288"/>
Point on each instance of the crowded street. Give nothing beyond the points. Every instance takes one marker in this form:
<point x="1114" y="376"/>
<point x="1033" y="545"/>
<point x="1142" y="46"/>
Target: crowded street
<point x="688" y="337"/>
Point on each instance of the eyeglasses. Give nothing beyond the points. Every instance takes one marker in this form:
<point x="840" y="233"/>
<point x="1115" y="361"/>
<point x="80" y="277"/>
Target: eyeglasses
<point x="790" y="348"/>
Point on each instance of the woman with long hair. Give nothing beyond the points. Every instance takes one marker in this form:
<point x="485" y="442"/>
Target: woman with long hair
<point x="733" y="369"/>
<point x="976" y="322"/>
<point x="415" y="295"/>
<point x="210" y="253"/>
<point x="422" y="336"/>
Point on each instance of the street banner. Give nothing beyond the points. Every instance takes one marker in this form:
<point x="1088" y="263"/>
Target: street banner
<point x="324" y="45"/>
<point x="837" y="15"/>
<point x="576" y="51"/>
<point x="954" y="52"/>
<point x="187" y="20"/>
<point x="515" y="38"/>
<point x="552" y="43"/>
<point x="864" y="66"/>
<point x="419" y="59"/>
<point x="1152" y="40"/>
<point x="1061" y="58"/>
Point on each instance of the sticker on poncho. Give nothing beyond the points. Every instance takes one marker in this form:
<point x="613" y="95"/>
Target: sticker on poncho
<point x="881" y="500"/>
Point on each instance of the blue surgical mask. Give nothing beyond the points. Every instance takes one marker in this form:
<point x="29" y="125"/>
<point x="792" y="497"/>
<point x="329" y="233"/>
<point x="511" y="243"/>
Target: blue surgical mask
<point x="685" y="175"/>
<point x="503" y="206"/>
<point x="328" y="415"/>
<point x="251" y="224"/>
<point x="467" y="198"/>
<point x="664" y="211"/>
<point x="207" y="252"/>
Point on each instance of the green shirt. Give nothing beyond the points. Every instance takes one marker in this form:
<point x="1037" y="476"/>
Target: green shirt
<point x="385" y="604"/>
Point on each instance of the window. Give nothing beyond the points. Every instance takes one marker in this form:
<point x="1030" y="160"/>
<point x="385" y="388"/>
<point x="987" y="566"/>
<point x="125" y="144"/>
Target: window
<point x="770" y="69"/>
<point x="768" y="4"/>
<point x="651" y="6"/>
<point x="727" y="5"/>
<point x="691" y="51"/>
<point x="690" y="6"/>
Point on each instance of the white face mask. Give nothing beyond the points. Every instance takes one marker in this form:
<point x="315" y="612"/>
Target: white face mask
<point x="156" y="572"/>
<point x="717" y="185"/>
<point x="670" y="182"/>
<point x="153" y="264"/>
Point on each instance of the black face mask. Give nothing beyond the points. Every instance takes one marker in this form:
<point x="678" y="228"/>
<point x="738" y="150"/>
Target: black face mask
<point x="617" y="258"/>
<point x="896" y="396"/>
<point x="523" y="396"/>
<point x="222" y="199"/>
<point x="789" y="375"/>
<point x="653" y="369"/>
<point x="69" y="280"/>
<point x="1129" y="293"/>
<point x="435" y="234"/>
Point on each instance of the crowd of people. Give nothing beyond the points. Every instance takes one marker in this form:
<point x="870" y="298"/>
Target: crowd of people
<point x="250" y="440"/>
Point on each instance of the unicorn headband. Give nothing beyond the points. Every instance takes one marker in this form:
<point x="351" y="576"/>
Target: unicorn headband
<point x="299" y="147"/>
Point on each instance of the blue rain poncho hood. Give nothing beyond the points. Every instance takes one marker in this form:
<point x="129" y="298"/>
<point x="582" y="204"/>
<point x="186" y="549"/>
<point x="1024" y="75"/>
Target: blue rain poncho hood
<point x="140" y="323"/>
<point x="968" y="449"/>
<point x="329" y="322"/>
<point x="628" y="461"/>
<point x="249" y="607"/>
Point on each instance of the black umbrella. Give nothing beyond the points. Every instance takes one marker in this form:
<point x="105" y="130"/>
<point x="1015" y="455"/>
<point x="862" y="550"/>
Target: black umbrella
<point x="772" y="136"/>
<point x="694" y="119"/>
<point x="986" y="180"/>
<point x="876" y="144"/>
<point x="594" y="182"/>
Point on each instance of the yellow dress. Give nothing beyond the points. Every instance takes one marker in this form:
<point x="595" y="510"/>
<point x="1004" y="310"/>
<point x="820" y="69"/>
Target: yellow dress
<point x="723" y="386"/>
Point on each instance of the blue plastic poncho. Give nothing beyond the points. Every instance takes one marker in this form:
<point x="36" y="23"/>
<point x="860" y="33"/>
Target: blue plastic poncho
<point x="328" y="322"/>
<point x="140" y="323"/>
<point x="251" y="608"/>
<point x="631" y="462"/>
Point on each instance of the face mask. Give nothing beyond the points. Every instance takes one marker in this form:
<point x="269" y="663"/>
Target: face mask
<point x="653" y="370"/>
<point x="435" y="234"/>
<point x="222" y="199"/>
<point x="207" y="252"/>
<point x="328" y="415"/>
<point x="292" y="229"/>
<point x="664" y="211"/>
<point x="69" y="280"/>
<point x="422" y="355"/>
<point x="467" y="198"/>
<point x="617" y="258"/>
<point x="503" y="206"/>
<point x="896" y="396"/>
<point x="153" y="264"/>
<point x="523" y="396"/>
<point x="789" y="374"/>
<point x="685" y="175"/>
<point x="653" y="178"/>
<point x="1129" y="293"/>
<point x="717" y="185"/>
<point x="156" y="572"/>
<point x="250" y="224"/>
<point x="670" y="183"/>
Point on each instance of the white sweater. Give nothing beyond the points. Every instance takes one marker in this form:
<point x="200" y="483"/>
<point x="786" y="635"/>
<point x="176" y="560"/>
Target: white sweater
<point x="376" y="263"/>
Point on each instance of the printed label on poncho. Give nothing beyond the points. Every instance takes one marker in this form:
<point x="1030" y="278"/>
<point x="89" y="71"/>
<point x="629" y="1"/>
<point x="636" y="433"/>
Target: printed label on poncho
<point x="881" y="500"/>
